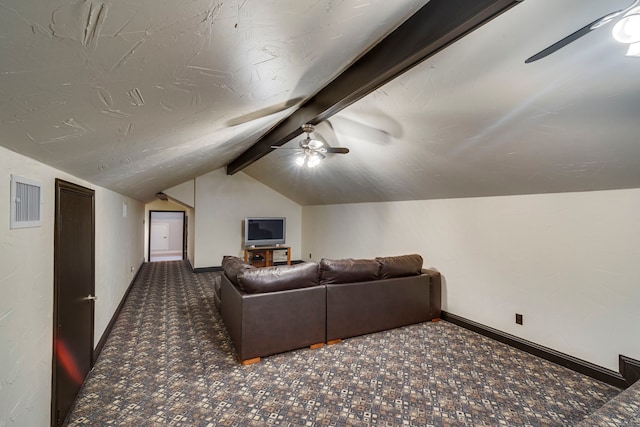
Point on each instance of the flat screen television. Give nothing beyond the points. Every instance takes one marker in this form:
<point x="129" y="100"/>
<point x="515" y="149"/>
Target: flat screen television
<point x="264" y="231"/>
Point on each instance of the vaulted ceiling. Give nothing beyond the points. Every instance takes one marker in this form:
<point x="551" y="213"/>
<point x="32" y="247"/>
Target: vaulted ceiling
<point x="141" y="95"/>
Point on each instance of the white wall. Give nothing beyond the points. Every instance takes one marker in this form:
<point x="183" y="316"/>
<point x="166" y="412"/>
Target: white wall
<point x="223" y="201"/>
<point x="184" y="193"/>
<point x="173" y="225"/>
<point x="570" y="263"/>
<point x="26" y="286"/>
<point x="119" y="251"/>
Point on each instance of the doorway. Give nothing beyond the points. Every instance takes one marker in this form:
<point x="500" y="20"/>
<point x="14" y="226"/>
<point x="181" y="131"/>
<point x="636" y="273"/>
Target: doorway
<point x="73" y="294"/>
<point x="167" y="238"/>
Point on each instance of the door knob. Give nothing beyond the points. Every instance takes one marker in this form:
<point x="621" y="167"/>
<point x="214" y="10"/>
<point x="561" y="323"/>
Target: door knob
<point x="91" y="298"/>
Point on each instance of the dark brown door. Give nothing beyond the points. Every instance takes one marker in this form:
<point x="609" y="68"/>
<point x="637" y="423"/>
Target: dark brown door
<point x="185" y="237"/>
<point x="73" y="301"/>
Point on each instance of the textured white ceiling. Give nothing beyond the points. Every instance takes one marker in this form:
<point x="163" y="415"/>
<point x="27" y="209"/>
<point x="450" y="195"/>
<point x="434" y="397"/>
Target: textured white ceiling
<point x="475" y="120"/>
<point x="141" y="95"/>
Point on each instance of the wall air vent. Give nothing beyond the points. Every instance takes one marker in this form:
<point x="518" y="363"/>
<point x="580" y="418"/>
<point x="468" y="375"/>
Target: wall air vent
<point x="25" y="203"/>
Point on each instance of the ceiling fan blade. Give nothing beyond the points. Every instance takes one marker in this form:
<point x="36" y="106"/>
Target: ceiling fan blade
<point x="360" y="131"/>
<point x="337" y="150"/>
<point x="326" y="133"/>
<point x="288" y="155"/>
<point x="581" y="32"/>
<point x="565" y="41"/>
<point x="264" y="112"/>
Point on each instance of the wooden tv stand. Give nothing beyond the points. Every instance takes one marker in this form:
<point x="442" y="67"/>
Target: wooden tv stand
<point x="262" y="256"/>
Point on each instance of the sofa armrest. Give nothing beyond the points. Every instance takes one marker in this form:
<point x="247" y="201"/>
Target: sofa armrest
<point x="231" y="308"/>
<point x="435" y="293"/>
<point x="263" y="324"/>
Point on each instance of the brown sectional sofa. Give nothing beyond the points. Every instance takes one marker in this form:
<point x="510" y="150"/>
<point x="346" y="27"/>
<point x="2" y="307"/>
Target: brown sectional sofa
<point x="275" y="309"/>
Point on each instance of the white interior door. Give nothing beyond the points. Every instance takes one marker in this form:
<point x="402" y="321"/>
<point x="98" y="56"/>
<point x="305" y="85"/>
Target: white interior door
<point x="159" y="237"/>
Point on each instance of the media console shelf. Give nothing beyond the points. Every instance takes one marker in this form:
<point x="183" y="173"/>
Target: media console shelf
<point x="262" y="256"/>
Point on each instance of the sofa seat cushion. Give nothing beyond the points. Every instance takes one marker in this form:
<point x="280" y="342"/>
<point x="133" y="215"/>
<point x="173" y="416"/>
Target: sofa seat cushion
<point x="278" y="278"/>
<point x="333" y="271"/>
<point x="232" y="266"/>
<point x="400" y="266"/>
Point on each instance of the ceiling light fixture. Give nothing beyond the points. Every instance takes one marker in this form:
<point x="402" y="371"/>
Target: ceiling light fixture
<point x="313" y="160"/>
<point x="627" y="30"/>
<point x="310" y="158"/>
<point x="634" y="50"/>
<point x="312" y="150"/>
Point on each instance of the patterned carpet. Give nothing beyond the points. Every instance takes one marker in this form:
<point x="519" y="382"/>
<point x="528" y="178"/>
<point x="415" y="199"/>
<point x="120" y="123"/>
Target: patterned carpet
<point x="169" y="361"/>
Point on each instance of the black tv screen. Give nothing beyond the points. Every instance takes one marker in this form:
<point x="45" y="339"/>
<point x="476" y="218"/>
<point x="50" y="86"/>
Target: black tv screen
<point x="264" y="231"/>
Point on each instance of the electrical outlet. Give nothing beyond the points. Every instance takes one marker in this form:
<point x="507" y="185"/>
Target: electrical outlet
<point x="519" y="319"/>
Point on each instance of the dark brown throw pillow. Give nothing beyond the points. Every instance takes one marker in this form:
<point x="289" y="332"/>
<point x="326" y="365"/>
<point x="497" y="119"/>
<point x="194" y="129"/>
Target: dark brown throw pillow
<point x="232" y="266"/>
<point x="400" y="266"/>
<point x="334" y="271"/>
<point x="279" y="278"/>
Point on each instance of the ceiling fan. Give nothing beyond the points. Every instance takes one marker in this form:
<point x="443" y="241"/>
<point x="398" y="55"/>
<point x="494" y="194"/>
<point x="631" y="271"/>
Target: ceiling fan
<point x="312" y="150"/>
<point x="626" y="30"/>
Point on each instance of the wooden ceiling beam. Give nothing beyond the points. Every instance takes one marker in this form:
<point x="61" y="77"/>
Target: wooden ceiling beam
<point x="435" y="26"/>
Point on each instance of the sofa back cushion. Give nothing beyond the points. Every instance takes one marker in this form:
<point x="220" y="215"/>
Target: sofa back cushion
<point x="279" y="278"/>
<point x="232" y="266"/>
<point x="400" y="266"/>
<point x="334" y="271"/>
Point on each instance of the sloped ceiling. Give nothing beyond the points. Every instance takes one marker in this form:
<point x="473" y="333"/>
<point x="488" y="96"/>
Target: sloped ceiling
<point x="141" y="95"/>
<point x="475" y="120"/>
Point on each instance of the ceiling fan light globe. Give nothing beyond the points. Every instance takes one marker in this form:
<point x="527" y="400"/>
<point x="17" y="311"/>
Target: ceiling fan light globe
<point x="627" y="29"/>
<point x="300" y="160"/>
<point x="313" y="161"/>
